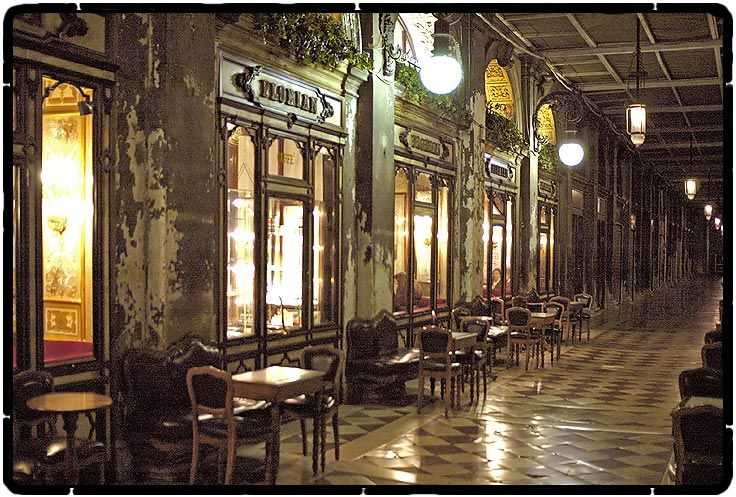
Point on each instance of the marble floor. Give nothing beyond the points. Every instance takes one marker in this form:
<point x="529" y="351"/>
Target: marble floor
<point x="601" y="415"/>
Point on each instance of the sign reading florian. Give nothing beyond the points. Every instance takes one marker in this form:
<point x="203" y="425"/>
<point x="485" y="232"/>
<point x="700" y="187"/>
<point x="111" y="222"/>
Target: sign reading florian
<point x="266" y="88"/>
<point x="421" y="143"/>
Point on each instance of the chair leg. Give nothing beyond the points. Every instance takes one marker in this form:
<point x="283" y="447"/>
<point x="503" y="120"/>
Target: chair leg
<point x="336" y="434"/>
<point x="230" y="462"/>
<point x="323" y="434"/>
<point x="303" y="426"/>
<point x="420" y="392"/>
<point x="195" y="457"/>
<point x="485" y="381"/>
<point x="431" y="387"/>
<point x="447" y="398"/>
<point x="102" y="473"/>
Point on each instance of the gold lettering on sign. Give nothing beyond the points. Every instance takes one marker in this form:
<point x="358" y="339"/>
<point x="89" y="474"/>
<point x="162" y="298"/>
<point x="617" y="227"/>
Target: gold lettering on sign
<point x="288" y="96"/>
<point x="425" y="145"/>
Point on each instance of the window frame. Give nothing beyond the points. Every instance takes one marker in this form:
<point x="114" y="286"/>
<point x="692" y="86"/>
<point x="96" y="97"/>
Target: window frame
<point x="549" y="229"/>
<point x="436" y="179"/>
<point x="99" y="221"/>
<point x="489" y="194"/>
<point x="267" y="187"/>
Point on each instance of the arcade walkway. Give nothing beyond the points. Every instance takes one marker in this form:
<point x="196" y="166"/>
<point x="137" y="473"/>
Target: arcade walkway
<point x="601" y="415"/>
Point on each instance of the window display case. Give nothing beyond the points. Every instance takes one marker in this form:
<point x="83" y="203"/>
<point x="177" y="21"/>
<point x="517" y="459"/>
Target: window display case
<point x="281" y="234"/>
<point x="498" y="239"/>
<point x="421" y="241"/>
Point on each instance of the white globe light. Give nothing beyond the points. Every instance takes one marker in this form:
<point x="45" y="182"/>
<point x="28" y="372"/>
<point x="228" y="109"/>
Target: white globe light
<point x="441" y="74"/>
<point x="571" y="153"/>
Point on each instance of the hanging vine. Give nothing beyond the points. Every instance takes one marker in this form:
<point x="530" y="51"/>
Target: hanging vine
<point x="503" y="132"/>
<point x="548" y="157"/>
<point x="312" y="38"/>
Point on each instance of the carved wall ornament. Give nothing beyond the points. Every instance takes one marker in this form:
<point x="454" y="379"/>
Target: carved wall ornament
<point x="387" y="23"/>
<point x="404" y="137"/>
<point x="327" y="110"/>
<point x="244" y="81"/>
<point x="71" y="25"/>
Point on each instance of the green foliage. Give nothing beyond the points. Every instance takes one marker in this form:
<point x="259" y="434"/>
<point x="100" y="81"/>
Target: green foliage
<point x="504" y="134"/>
<point x="415" y="92"/>
<point x="548" y="157"/>
<point x="312" y="38"/>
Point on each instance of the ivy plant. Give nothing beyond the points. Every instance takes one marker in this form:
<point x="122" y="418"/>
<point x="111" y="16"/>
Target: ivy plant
<point x="315" y="38"/>
<point x="548" y="157"/>
<point x="503" y="132"/>
<point x="415" y="92"/>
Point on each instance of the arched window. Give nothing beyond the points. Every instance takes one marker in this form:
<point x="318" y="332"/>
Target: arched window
<point x="546" y="124"/>
<point x="403" y="41"/>
<point x="499" y="93"/>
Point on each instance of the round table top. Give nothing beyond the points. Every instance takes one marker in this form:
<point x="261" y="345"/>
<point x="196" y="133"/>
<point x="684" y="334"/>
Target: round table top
<point x="69" y="402"/>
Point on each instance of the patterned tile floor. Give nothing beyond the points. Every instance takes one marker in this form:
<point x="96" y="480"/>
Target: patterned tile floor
<point x="601" y="415"/>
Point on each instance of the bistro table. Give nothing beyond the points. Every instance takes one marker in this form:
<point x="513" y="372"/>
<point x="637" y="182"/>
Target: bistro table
<point x="275" y="384"/>
<point x="495" y="332"/>
<point x="70" y="405"/>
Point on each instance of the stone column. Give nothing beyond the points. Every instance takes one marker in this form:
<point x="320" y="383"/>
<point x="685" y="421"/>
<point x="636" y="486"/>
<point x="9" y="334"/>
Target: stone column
<point x="528" y="187"/>
<point x="374" y="178"/>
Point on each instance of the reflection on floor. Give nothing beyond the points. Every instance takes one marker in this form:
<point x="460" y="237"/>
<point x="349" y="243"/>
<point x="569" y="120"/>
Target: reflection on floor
<point x="599" y="416"/>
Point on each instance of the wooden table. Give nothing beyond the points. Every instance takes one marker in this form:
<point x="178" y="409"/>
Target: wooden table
<point x="276" y="384"/>
<point x="70" y="405"/>
<point x="542" y="319"/>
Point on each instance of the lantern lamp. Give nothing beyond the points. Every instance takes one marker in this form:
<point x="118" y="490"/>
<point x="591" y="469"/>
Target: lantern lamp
<point x="717" y="222"/>
<point x="708" y="211"/>
<point x="442" y="72"/>
<point x="691" y="187"/>
<point x="636" y="123"/>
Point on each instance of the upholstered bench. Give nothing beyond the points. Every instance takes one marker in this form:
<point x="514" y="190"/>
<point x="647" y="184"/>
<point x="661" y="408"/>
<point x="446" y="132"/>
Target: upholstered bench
<point x="374" y="360"/>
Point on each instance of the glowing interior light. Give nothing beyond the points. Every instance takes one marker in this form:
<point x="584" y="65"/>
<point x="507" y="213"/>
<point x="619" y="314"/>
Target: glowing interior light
<point x="239" y="202"/>
<point x="242" y="235"/>
<point x="486" y="231"/>
<point x="636" y="123"/>
<point x="691" y="187"/>
<point x="717" y="222"/>
<point x="708" y="211"/>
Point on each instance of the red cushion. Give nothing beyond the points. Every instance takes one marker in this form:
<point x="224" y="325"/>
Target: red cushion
<point x="62" y="350"/>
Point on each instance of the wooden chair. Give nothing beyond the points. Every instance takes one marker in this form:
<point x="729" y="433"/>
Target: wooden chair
<point x="497" y="306"/>
<point x="436" y="360"/>
<point x="711" y="356"/>
<point x="586" y="313"/>
<point x="556" y="330"/>
<point x="477" y="360"/>
<point x="329" y="360"/>
<point x="520" y="334"/>
<point x="457" y="314"/>
<point x="697" y="434"/>
<point x="216" y="420"/>
<point x="565" y="322"/>
<point x="44" y="456"/>
<point x="518" y="301"/>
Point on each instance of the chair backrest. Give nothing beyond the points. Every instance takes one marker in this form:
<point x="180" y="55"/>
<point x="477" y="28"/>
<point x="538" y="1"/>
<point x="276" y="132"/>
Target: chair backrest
<point x="26" y="385"/>
<point x="325" y="359"/>
<point x="561" y="300"/>
<point x="434" y="344"/>
<point x="518" y="317"/>
<point x="713" y="336"/>
<point x="700" y="382"/>
<point x="584" y="298"/>
<point x="698" y="430"/>
<point x="555" y="307"/>
<point x="477" y="326"/>
<point x="711" y="355"/>
<point x="210" y="391"/>
<point x="458" y="313"/>
<point x="518" y="301"/>
<point x="498" y="306"/>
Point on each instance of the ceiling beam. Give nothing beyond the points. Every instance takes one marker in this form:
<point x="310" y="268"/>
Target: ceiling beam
<point x="534" y="36"/>
<point x="628" y="48"/>
<point x="713" y="27"/>
<point x="701" y="159"/>
<point x="689" y="129"/>
<point x="573" y="74"/>
<point x="657" y="83"/>
<point x="673" y="108"/>
<point x="530" y="17"/>
<point x="648" y="146"/>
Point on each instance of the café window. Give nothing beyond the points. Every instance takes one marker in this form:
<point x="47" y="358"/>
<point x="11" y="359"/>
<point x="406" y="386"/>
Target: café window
<point x="545" y="254"/>
<point x="421" y="241"/>
<point x="498" y="244"/>
<point x="66" y="231"/>
<point x="297" y="234"/>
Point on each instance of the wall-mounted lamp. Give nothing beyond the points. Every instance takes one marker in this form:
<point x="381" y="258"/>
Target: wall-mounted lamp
<point x="632" y="222"/>
<point x="84" y="105"/>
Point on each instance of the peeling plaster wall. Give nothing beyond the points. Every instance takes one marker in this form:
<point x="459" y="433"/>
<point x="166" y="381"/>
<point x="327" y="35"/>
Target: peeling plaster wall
<point x="165" y="197"/>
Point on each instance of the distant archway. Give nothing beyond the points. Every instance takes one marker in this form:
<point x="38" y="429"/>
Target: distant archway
<point x="499" y="92"/>
<point x="546" y="124"/>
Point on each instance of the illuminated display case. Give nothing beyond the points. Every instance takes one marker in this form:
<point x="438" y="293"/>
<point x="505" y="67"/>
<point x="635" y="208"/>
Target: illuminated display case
<point x="281" y="234"/>
<point x="498" y="240"/>
<point x="546" y="250"/>
<point x="421" y="241"/>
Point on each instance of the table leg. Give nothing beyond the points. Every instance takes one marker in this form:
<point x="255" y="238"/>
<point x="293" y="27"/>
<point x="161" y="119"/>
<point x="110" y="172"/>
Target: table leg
<point x="319" y="431"/>
<point x="272" y="467"/>
<point x="70" y="427"/>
